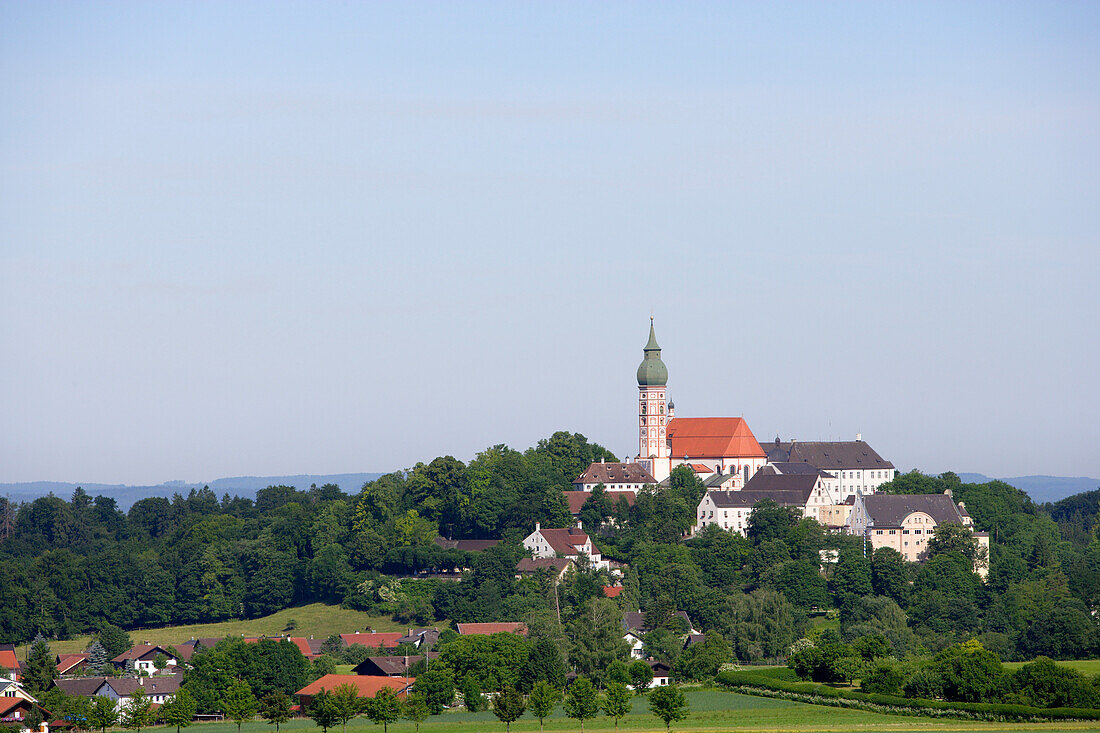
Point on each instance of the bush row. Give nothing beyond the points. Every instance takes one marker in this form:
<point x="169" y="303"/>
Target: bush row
<point x="820" y="694"/>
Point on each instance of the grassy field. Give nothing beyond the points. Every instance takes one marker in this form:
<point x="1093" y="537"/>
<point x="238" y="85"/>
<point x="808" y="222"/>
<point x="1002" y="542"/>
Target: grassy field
<point x="711" y="710"/>
<point x="1084" y="666"/>
<point x="316" y="619"/>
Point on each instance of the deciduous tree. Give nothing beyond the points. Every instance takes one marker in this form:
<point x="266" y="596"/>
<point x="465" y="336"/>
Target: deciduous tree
<point x="582" y="702"/>
<point x="508" y="705"/>
<point x="668" y="703"/>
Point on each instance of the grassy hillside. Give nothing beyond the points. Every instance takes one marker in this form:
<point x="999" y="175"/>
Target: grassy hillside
<point x="316" y="620"/>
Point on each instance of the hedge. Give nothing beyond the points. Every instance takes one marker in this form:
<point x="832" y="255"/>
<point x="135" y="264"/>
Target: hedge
<point x="819" y="694"/>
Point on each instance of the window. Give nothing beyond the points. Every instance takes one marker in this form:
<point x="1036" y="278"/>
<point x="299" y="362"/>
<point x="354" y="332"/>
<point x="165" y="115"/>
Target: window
<point x="905" y="531"/>
<point x="891" y="531"/>
<point x="879" y="531"/>
<point x="643" y="408"/>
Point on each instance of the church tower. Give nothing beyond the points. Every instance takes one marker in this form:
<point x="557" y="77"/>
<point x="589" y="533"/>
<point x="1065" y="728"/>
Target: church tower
<point x="652" y="413"/>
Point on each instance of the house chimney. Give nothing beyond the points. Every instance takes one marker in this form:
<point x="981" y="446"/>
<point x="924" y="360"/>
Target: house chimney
<point x="538" y="526"/>
<point x="859" y="437"/>
<point x="601" y="459"/>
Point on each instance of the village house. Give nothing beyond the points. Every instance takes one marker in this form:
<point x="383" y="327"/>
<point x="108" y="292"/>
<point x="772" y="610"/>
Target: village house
<point x="571" y="543"/>
<point x="504" y="627"/>
<point x="365" y="686"/>
<point x="388" y="666"/>
<point x="9" y="661"/>
<point x="558" y="567"/>
<point x="143" y="658"/>
<point x="71" y="664"/>
<point x="159" y="689"/>
<point x="635" y="628"/>
<point x="373" y="640"/>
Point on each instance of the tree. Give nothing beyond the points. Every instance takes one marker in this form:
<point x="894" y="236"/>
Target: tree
<point x="508" y="705"/>
<point x="769" y="521"/>
<point x="641" y="675"/>
<point x="545" y="663"/>
<point x="240" y="704"/>
<point x="345" y="702"/>
<point x="322" y="710"/>
<point x="415" y="709"/>
<point x="968" y="671"/>
<point x="542" y="699"/>
<point x="437" y="686"/>
<point x="668" y="703"/>
<point x="617" y="702"/>
<point x="384" y="708"/>
<point x="97" y="657"/>
<point x="180" y="710"/>
<point x="597" y="634"/>
<point x="582" y="701"/>
<point x="114" y="640"/>
<point x="471" y="694"/>
<point x="103" y="714"/>
<point x="78" y="711"/>
<point x="276" y="709"/>
<point x="40" y="669"/>
<point x="138" y="712"/>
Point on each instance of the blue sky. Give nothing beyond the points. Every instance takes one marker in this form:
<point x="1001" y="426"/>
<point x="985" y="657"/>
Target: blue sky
<point x="280" y="238"/>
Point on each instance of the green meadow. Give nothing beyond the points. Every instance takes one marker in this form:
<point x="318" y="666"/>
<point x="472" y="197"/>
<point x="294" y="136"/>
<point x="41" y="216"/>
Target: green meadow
<point x="711" y="710"/>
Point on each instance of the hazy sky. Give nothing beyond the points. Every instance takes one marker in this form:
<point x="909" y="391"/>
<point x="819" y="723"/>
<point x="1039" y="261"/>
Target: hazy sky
<point x="325" y="237"/>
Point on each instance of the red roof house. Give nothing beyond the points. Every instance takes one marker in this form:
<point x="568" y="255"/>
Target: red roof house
<point x="366" y="686"/>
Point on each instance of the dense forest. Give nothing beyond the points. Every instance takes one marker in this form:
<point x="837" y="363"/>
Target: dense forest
<point x="71" y="566"/>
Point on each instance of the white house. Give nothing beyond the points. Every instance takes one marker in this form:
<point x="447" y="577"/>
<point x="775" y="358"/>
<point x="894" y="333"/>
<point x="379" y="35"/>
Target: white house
<point x="571" y="543"/>
<point x="143" y="658"/>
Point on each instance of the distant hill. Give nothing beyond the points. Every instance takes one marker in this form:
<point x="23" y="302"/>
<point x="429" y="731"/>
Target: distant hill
<point x="1041" y="488"/>
<point x="126" y="495"/>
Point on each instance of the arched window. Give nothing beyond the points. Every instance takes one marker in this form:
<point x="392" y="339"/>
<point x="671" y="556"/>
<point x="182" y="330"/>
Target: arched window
<point x="746" y="469"/>
<point x="661" y="409"/>
<point x="643" y="408"/>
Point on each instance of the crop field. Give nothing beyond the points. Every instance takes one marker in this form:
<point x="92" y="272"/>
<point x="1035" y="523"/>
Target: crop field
<point x="316" y="619"/>
<point x="711" y="710"/>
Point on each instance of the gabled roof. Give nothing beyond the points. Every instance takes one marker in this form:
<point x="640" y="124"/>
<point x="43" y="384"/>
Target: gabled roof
<point x="141" y="651"/>
<point x="634" y="621"/>
<point x="568" y="541"/>
<point x="889" y="510"/>
<point x="373" y="640"/>
<point x="65" y="662"/>
<point x="8" y="660"/>
<point x="712" y="437"/>
<point x="365" y="685"/>
<point x="612" y="591"/>
<point x="577" y="499"/>
<point x="80" y="686"/>
<point x="531" y="565"/>
<point x="827" y="455"/>
<point x="9" y="704"/>
<point x="615" y="473"/>
<point x="747" y="498"/>
<point x="509" y="627"/>
<point x="466" y="545"/>
<point x="386" y="666"/>
<point x="156" y="685"/>
<point x="787" y="467"/>
<point x="782" y="482"/>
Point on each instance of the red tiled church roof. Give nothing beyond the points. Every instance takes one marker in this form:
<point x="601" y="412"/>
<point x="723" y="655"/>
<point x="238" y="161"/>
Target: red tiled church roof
<point x="712" y="437"/>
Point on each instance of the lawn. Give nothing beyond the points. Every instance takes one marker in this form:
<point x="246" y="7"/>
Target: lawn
<point x="316" y="619"/>
<point x="711" y="710"/>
